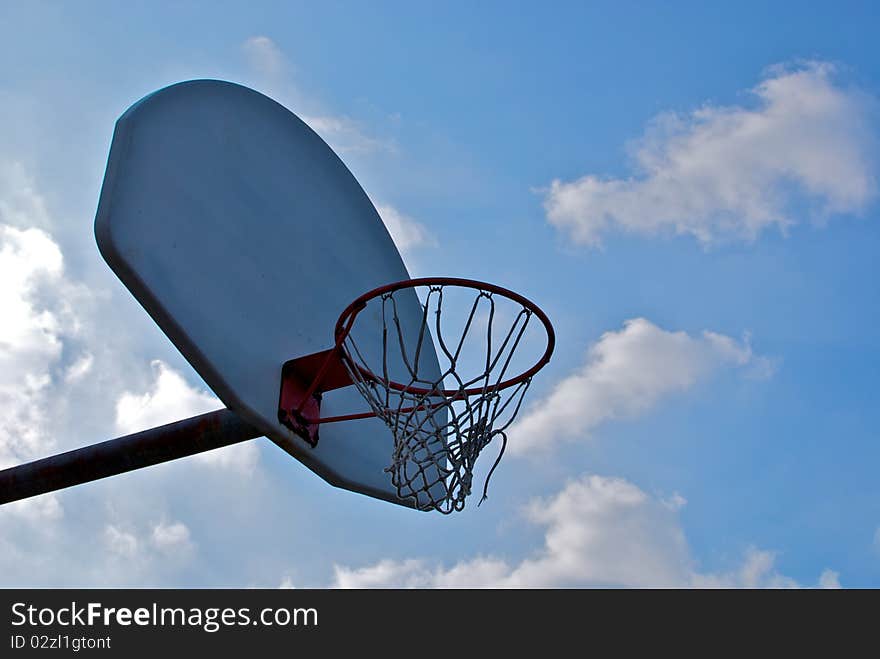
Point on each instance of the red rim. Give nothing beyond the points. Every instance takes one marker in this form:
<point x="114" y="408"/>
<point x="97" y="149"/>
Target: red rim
<point x="347" y="318"/>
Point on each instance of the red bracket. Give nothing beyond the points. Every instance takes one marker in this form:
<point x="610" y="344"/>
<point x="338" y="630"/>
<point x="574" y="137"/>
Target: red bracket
<point x="303" y="381"/>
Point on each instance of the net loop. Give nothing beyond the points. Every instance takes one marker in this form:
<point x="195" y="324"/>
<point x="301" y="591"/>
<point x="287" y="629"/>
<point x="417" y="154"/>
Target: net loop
<point x="441" y="424"/>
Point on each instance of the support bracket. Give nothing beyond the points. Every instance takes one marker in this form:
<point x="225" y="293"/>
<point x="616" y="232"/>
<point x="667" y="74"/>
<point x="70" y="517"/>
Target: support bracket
<point x="303" y="381"/>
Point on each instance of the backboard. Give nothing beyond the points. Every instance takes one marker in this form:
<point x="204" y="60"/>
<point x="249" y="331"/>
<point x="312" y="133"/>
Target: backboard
<point x="244" y="236"/>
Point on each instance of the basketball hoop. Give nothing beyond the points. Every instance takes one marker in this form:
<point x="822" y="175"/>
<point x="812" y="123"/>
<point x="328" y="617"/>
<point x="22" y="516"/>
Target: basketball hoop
<point x="439" y="431"/>
<point x="440" y="422"/>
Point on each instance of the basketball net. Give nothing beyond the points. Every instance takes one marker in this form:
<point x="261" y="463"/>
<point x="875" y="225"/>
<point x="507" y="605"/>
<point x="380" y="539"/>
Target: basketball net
<point x="442" y="424"/>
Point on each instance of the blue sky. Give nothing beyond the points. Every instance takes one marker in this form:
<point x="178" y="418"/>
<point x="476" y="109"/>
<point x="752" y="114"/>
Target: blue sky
<point x="689" y="190"/>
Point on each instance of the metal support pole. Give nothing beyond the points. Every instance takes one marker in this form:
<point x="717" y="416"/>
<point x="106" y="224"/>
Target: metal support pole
<point x="116" y="456"/>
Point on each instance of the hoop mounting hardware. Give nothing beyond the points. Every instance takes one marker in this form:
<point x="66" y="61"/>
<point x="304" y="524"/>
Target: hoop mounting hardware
<point x="303" y="381"/>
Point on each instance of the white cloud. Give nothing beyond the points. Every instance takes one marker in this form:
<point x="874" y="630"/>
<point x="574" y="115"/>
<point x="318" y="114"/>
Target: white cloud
<point x="756" y="571"/>
<point x="41" y="509"/>
<point x="169" y="399"/>
<point x="605" y="531"/>
<point x="829" y="579"/>
<point x="21" y="205"/>
<point x="31" y="269"/>
<point x="406" y="232"/>
<point x="243" y="458"/>
<point x="120" y="542"/>
<point x="79" y="368"/>
<point x="173" y="538"/>
<point x="415" y="573"/>
<point x="345" y="135"/>
<point x="39" y="308"/>
<point x="264" y="56"/>
<point x="598" y="532"/>
<point x="141" y="548"/>
<point x="29" y="260"/>
<point x="730" y="172"/>
<point x="626" y="372"/>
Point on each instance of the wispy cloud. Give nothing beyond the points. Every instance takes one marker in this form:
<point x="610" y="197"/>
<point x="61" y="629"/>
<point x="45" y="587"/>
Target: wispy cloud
<point x="138" y="550"/>
<point x="625" y="373"/>
<point x="343" y="133"/>
<point x="264" y="56"/>
<point x="273" y="70"/>
<point x="730" y="172"/>
<point x="407" y="233"/>
<point x="346" y="135"/>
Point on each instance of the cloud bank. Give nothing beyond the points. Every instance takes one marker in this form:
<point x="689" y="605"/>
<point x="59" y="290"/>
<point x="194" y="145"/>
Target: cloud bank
<point x="598" y="531"/>
<point x="62" y="376"/>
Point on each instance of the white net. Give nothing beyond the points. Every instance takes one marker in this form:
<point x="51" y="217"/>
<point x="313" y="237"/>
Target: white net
<point x="442" y="424"/>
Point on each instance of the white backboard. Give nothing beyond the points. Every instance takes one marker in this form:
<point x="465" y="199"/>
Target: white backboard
<point x="244" y="236"/>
